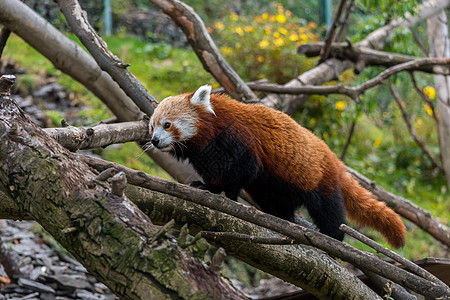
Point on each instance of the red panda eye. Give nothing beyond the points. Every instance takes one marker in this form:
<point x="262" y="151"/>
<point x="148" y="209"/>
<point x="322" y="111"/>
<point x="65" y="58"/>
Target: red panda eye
<point x="166" y="125"/>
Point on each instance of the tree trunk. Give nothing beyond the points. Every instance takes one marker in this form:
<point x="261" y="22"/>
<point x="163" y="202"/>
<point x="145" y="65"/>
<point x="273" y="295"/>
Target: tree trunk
<point x="106" y="232"/>
<point x="439" y="47"/>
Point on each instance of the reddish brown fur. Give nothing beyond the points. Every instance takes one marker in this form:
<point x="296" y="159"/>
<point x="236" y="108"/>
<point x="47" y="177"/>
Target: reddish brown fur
<point x="307" y="161"/>
<point x="292" y="154"/>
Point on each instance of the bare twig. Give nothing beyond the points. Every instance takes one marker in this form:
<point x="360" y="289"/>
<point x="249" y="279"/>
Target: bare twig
<point x="210" y="235"/>
<point x="169" y="225"/>
<point x="416" y="138"/>
<point x="348" y="140"/>
<point x="406" y="209"/>
<point x="419" y="42"/>
<point x="330" y="36"/>
<point x="391" y="254"/>
<point x="349" y="10"/>
<point x="77" y="20"/>
<point x="301" y="234"/>
<point x="425" y="99"/>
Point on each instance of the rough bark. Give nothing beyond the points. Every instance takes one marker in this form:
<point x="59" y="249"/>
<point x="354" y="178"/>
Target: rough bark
<point x="440" y="47"/>
<point x="304" y="266"/>
<point x="301" y="234"/>
<point x="71" y="59"/>
<point x="108" y="234"/>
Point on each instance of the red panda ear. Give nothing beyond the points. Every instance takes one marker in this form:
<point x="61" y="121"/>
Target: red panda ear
<point x="202" y="97"/>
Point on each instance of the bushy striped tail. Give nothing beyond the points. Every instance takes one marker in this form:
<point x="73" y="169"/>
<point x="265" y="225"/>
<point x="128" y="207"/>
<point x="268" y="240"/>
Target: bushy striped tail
<point x="366" y="211"/>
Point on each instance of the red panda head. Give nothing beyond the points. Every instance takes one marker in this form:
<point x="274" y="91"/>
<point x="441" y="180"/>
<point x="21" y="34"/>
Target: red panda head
<point x="175" y="118"/>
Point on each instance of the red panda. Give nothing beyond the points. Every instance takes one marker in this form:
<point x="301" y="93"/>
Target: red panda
<point x="280" y="164"/>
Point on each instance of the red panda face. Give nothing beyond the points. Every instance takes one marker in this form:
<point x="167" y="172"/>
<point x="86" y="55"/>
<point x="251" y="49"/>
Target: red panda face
<point x="175" y="118"/>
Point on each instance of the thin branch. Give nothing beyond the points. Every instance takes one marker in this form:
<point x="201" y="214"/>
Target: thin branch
<point x="366" y="56"/>
<point x="348" y="140"/>
<point x="416" y="138"/>
<point x="406" y="209"/>
<point x="352" y="92"/>
<point x="391" y="254"/>
<point x="77" y="20"/>
<point x="349" y="10"/>
<point x="4" y="35"/>
<point x="301" y="234"/>
<point x="204" y="47"/>
<point x="425" y="99"/>
<point x="215" y="236"/>
<point x="324" y="54"/>
<point x="419" y="42"/>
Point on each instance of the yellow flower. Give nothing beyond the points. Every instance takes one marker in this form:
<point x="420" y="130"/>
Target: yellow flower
<point x="265" y="16"/>
<point x="239" y="30"/>
<point x="276" y="35"/>
<point x="249" y="29"/>
<point x="303" y="37"/>
<point x="428" y="109"/>
<point x="215" y="85"/>
<point x="263" y="44"/>
<point x="283" y="31"/>
<point x="312" y="122"/>
<point x="227" y="50"/>
<point x="340" y="105"/>
<point x="280" y="19"/>
<point x="279" y="42"/>
<point x="430" y="92"/>
<point x="377" y="143"/>
<point x="260" y="59"/>
<point x="293" y="37"/>
<point x="267" y="31"/>
<point x="219" y="25"/>
<point x="234" y="17"/>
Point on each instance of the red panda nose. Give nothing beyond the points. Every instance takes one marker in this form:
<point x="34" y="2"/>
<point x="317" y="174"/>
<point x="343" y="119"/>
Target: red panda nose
<point x="155" y="141"/>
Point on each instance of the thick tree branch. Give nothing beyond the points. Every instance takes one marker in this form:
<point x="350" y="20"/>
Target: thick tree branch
<point x="109" y="234"/>
<point x="391" y="254"/>
<point x="77" y="20"/>
<point x="406" y="209"/>
<point x="300" y="234"/>
<point x="301" y="265"/>
<point x="71" y="59"/>
<point x="102" y="135"/>
<point x="204" y="47"/>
